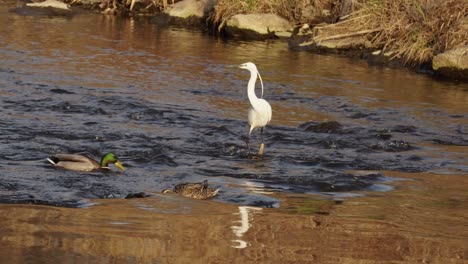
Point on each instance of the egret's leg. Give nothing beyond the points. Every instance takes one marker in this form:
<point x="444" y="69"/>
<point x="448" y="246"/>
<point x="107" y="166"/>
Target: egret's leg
<point x="261" y="133"/>
<point x="248" y="144"/>
<point x="262" y="146"/>
<point x="248" y="139"/>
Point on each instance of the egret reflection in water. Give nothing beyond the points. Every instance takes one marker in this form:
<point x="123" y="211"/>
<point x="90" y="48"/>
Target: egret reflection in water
<point x="246" y="213"/>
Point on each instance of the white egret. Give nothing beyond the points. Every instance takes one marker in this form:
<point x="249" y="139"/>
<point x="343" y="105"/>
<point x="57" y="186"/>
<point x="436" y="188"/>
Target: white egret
<point x="260" y="110"/>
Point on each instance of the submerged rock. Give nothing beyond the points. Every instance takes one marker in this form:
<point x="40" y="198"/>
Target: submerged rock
<point x="452" y="63"/>
<point x="324" y="127"/>
<point x="393" y="146"/>
<point x="137" y="195"/>
<point x="383" y="136"/>
<point x="404" y="129"/>
<point x="258" y="26"/>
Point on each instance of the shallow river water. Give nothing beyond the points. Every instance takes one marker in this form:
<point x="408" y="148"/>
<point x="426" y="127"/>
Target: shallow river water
<point x="169" y="103"/>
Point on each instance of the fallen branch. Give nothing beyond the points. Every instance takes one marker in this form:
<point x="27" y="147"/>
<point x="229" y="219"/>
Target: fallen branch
<point x="150" y="4"/>
<point x="346" y="35"/>
<point x="338" y="36"/>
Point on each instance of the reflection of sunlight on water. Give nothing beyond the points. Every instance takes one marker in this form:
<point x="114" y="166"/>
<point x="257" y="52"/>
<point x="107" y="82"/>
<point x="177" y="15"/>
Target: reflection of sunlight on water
<point x="239" y="231"/>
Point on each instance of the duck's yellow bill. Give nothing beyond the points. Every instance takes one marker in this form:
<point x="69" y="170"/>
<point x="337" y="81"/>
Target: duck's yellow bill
<point x="119" y="165"/>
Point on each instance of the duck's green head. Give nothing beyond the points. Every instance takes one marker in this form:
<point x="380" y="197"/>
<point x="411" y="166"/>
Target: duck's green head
<point x="111" y="158"/>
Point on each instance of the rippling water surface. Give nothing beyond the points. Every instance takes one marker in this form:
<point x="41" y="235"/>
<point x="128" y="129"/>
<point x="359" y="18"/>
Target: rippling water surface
<point x="165" y="101"/>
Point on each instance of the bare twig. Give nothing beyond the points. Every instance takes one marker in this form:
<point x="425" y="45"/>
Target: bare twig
<point x="347" y="35"/>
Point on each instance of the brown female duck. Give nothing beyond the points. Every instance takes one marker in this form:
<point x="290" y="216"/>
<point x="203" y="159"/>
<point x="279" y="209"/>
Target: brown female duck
<point x="199" y="190"/>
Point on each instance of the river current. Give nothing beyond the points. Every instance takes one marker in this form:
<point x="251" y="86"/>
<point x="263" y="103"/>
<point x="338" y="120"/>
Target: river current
<point x="169" y="103"/>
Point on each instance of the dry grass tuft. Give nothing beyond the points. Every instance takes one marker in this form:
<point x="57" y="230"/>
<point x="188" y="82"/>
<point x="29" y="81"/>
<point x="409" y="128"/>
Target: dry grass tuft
<point x="411" y="30"/>
<point x="416" y="30"/>
<point x="126" y="6"/>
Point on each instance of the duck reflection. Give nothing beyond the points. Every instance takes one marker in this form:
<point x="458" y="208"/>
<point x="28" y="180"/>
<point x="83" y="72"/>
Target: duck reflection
<point x="246" y="214"/>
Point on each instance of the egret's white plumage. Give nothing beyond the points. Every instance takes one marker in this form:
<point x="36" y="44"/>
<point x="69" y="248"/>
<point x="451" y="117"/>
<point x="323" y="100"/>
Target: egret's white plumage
<point x="260" y="110"/>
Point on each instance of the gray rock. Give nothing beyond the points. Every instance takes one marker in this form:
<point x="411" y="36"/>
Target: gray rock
<point x="323" y="127"/>
<point x="345" y="43"/>
<point x="190" y="8"/>
<point x="45" y="8"/>
<point x="260" y="25"/>
<point x="90" y="2"/>
<point x="452" y="63"/>
<point x="305" y="38"/>
<point x="50" y="3"/>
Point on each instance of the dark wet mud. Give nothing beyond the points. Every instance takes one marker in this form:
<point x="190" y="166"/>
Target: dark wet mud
<point x="164" y="100"/>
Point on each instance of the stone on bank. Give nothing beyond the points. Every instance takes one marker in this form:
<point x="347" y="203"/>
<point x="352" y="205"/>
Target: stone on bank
<point x="452" y="63"/>
<point x="190" y="12"/>
<point x="46" y="8"/>
<point x="258" y="26"/>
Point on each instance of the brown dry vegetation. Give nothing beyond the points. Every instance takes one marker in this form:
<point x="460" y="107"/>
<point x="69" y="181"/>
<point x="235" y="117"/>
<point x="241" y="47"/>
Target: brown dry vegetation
<point x="420" y="29"/>
<point x="126" y="6"/>
<point x="411" y="30"/>
<point x="289" y="9"/>
<point x="296" y="11"/>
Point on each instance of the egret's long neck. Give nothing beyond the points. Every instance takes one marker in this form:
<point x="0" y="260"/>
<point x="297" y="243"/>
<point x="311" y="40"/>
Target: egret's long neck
<point x="251" y="89"/>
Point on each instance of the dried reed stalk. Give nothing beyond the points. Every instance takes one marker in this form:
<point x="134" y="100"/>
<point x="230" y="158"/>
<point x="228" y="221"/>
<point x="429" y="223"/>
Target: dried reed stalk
<point x="413" y="30"/>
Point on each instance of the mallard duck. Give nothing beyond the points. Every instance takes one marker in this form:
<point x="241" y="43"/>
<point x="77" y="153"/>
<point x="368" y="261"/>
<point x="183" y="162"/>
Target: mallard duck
<point x="77" y="162"/>
<point x="199" y="190"/>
